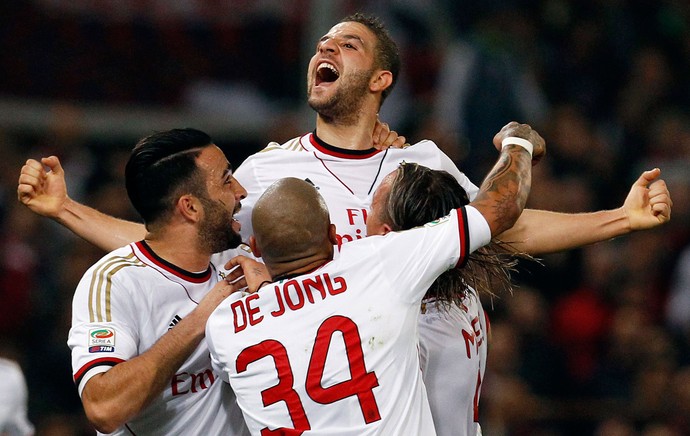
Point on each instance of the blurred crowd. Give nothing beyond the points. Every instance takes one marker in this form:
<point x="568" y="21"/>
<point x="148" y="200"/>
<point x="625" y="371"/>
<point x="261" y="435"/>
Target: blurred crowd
<point x="593" y="341"/>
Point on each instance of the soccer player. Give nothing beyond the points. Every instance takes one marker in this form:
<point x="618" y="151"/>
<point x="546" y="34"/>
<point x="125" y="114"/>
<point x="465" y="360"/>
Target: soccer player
<point x="418" y="196"/>
<point x="13" y="400"/>
<point x="330" y="345"/>
<point x="352" y="71"/>
<point x="138" y="314"/>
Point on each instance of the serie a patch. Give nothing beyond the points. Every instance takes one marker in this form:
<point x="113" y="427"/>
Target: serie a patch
<point x="442" y="220"/>
<point x="101" y="340"/>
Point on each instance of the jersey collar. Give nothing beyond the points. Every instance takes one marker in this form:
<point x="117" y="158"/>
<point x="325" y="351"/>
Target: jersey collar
<point x="153" y="258"/>
<point x="344" y="153"/>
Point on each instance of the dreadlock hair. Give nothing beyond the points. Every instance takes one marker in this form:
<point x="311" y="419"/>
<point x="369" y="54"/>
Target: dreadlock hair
<point x="419" y="195"/>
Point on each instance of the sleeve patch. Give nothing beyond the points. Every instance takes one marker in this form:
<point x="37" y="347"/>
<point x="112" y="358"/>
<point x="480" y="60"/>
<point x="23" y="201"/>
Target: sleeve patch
<point x="101" y="340"/>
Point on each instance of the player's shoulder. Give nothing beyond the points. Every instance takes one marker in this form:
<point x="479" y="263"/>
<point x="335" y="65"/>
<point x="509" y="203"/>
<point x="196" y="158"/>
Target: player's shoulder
<point x="423" y="148"/>
<point x="293" y="145"/>
<point x="114" y="265"/>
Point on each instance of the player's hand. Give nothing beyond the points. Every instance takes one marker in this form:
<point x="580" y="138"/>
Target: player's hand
<point x="208" y="304"/>
<point x="384" y="137"/>
<point x="43" y="190"/>
<point x="247" y="272"/>
<point x="523" y="131"/>
<point x="648" y="203"/>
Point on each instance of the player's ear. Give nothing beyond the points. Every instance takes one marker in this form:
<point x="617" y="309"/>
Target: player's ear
<point x="189" y="207"/>
<point x="381" y="80"/>
<point x="385" y="229"/>
<point x="332" y="235"/>
<point x="255" y="249"/>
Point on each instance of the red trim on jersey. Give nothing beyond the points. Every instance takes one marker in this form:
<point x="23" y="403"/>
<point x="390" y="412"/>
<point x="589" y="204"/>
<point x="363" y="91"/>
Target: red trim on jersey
<point x="333" y="174"/>
<point x="169" y="267"/>
<point x="306" y="135"/>
<point x="343" y="153"/>
<point x="103" y="361"/>
<point x="464" y="233"/>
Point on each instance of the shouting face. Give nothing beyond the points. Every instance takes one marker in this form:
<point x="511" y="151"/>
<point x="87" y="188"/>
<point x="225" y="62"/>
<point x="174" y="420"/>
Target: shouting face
<point x="341" y="70"/>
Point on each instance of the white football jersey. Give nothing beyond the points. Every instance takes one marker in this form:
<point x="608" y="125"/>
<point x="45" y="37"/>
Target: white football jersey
<point x="454" y="396"/>
<point x="335" y="351"/>
<point x="14" y="399"/>
<point x="347" y="180"/>
<point x="122" y="306"/>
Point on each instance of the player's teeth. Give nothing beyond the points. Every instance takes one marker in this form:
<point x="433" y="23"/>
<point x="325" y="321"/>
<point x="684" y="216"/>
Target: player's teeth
<point x="330" y="67"/>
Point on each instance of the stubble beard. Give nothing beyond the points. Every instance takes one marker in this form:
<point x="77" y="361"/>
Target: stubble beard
<point x="344" y="106"/>
<point x="215" y="230"/>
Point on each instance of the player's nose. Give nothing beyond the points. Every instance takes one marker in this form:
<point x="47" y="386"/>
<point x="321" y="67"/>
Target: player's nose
<point x="239" y="191"/>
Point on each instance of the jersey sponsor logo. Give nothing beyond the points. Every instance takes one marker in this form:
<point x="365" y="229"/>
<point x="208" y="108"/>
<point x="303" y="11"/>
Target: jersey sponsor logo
<point x="185" y="383"/>
<point x="101" y="349"/>
<point x="101" y="337"/>
<point x="357" y="218"/>
<point x="290" y="296"/>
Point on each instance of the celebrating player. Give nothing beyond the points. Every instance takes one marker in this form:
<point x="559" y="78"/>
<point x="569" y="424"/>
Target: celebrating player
<point x="354" y="67"/>
<point x="330" y="345"/>
<point x="418" y="196"/>
<point x="139" y="313"/>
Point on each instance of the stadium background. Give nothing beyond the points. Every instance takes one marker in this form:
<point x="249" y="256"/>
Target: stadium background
<point x="595" y="341"/>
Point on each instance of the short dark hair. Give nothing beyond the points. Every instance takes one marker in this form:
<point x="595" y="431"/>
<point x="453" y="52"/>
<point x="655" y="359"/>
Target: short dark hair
<point x="387" y="55"/>
<point x="162" y="166"/>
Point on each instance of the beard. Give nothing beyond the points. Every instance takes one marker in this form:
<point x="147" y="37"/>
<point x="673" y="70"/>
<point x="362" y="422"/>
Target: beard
<point x="215" y="230"/>
<point x="343" y="106"/>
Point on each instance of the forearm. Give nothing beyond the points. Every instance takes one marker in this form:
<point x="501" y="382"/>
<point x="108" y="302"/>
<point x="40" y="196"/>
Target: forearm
<point x="101" y="230"/>
<point x="118" y="395"/>
<point x="540" y="232"/>
<point x="503" y="194"/>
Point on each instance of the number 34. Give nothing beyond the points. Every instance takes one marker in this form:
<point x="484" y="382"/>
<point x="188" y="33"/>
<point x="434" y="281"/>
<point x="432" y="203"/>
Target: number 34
<point x="360" y="384"/>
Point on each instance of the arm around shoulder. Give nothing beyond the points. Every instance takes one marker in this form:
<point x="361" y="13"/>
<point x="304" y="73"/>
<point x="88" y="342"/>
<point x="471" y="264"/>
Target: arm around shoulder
<point x="112" y="398"/>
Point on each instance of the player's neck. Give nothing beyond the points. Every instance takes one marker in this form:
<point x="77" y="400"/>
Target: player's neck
<point x="283" y="270"/>
<point x="178" y="251"/>
<point x="357" y="136"/>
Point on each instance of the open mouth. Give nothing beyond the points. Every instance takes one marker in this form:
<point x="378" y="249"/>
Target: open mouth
<point x="326" y="73"/>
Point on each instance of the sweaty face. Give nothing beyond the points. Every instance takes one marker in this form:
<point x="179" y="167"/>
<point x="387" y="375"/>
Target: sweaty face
<point x="340" y="70"/>
<point x="218" y="231"/>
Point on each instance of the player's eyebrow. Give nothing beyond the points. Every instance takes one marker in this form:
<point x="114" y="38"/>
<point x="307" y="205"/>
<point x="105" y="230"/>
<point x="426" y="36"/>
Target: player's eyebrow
<point x="345" y="37"/>
<point x="228" y="171"/>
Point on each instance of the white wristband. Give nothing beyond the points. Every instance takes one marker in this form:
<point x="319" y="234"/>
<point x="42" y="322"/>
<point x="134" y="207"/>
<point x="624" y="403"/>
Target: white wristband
<point x="518" y="141"/>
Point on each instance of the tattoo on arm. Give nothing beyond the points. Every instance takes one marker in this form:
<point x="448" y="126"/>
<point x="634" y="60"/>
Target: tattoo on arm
<point x="504" y="192"/>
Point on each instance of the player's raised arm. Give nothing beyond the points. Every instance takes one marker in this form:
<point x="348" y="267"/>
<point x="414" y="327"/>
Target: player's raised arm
<point x="42" y="189"/>
<point x="503" y="194"/>
<point x="647" y="205"/>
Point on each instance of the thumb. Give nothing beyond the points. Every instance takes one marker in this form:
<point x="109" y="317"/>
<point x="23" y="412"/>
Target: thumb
<point x="53" y="163"/>
<point x="647" y="177"/>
